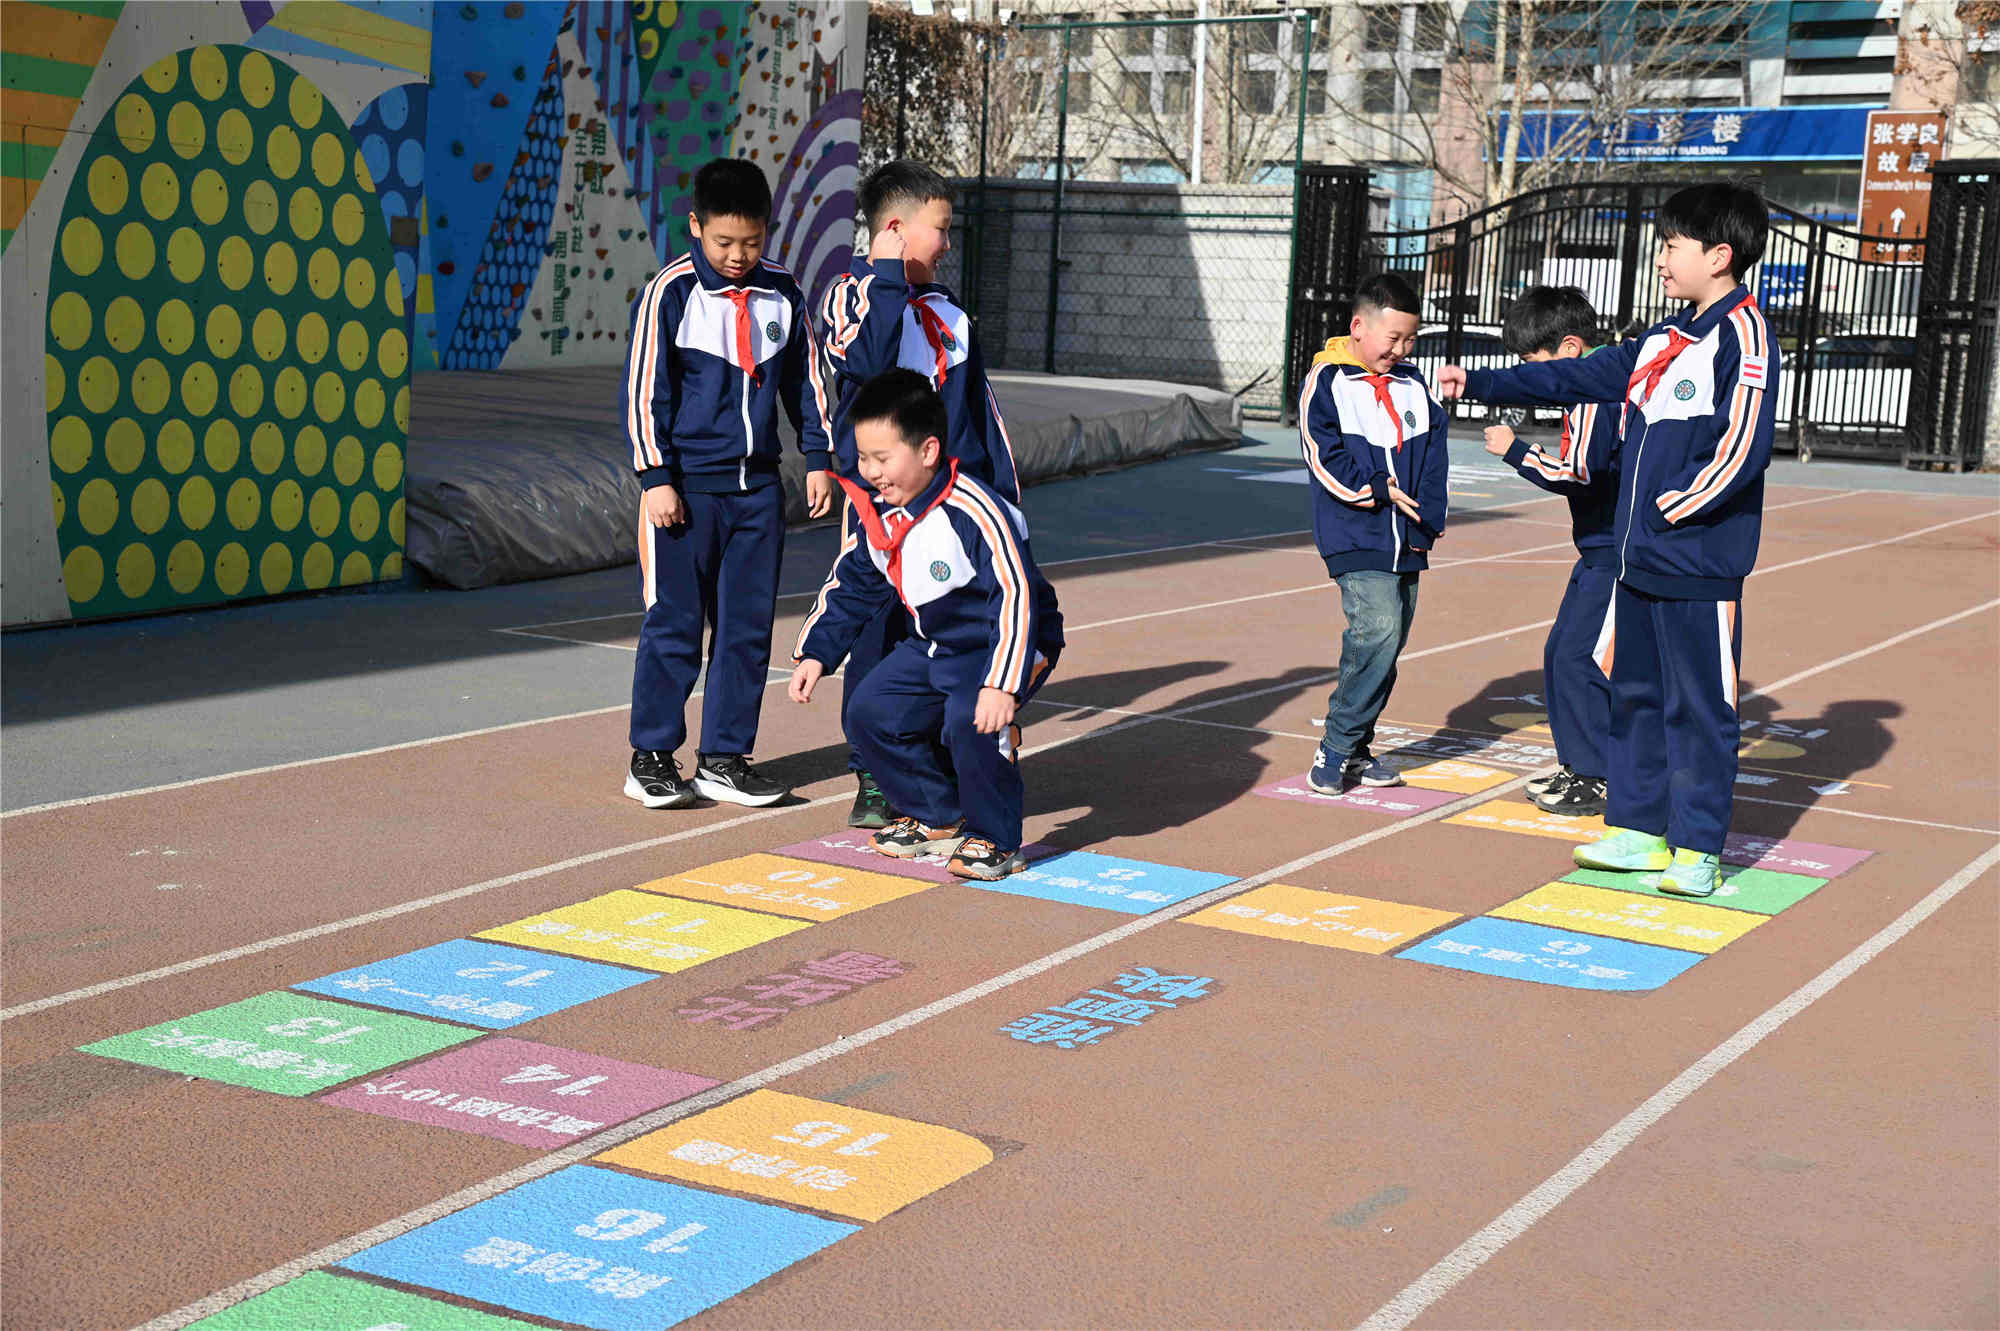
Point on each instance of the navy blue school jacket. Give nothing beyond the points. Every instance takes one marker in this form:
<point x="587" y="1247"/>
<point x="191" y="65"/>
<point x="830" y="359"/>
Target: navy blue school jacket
<point x="1583" y="470"/>
<point x="697" y="417"/>
<point x="1692" y="458"/>
<point x="871" y="320"/>
<point x="963" y="570"/>
<point x="1353" y="444"/>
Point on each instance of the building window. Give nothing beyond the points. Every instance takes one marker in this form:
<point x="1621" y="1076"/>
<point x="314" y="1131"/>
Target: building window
<point x="1860" y="64"/>
<point x="1260" y="91"/>
<point x="1176" y="92"/>
<point x="1135" y="92"/>
<point x="1257" y="38"/>
<point x="1852" y="29"/>
<point x="1315" y="92"/>
<point x="1079" y="89"/>
<point x="1378" y="91"/>
<point x="1180" y="41"/>
<point x="1424" y="87"/>
<point x="1139" y="41"/>
<point x="1433" y="27"/>
<point x="1382" y="28"/>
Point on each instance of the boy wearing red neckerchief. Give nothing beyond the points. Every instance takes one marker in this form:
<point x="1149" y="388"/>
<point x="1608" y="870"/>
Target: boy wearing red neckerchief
<point x="1698" y="397"/>
<point x="934" y="720"/>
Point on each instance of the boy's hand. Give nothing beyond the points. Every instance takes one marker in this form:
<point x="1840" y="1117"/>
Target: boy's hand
<point x="1499" y="438"/>
<point x="664" y="507"/>
<point x="820" y="490"/>
<point x="994" y="711"/>
<point x="886" y="243"/>
<point x="1406" y="505"/>
<point x="804" y="677"/>
<point x="1451" y="382"/>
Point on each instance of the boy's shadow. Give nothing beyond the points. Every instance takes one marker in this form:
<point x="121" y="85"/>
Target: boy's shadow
<point x="1786" y="765"/>
<point x="1164" y="782"/>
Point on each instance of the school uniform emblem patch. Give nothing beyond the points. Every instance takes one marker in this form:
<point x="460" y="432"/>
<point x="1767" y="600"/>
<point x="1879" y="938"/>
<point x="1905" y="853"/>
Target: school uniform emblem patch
<point x="1684" y="390"/>
<point x="940" y="570"/>
<point x="772" y="331"/>
<point x="1410" y="419"/>
<point x="946" y="340"/>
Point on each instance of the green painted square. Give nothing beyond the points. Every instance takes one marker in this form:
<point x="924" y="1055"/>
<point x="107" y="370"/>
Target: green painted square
<point x="328" y="1302"/>
<point x="284" y="1043"/>
<point x="1760" y="891"/>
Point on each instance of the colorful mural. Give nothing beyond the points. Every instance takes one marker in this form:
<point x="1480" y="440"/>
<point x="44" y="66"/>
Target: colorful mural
<point x="233" y="230"/>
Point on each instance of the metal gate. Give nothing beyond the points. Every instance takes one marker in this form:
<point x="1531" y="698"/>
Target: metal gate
<point x="1958" y="309"/>
<point x="1846" y="325"/>
<point x="1327" y="230"/>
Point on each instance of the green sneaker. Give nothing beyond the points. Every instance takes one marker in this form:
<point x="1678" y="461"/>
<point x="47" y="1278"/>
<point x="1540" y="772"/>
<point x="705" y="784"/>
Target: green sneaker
<point x="871" y="807"/>
<point x="1623" y="848"/>
<point x="1692" y="874"/>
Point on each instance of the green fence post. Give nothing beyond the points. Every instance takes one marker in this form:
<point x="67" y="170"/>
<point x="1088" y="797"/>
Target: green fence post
<point x="1055" y="210"/>
<point x="1287" y="376"/>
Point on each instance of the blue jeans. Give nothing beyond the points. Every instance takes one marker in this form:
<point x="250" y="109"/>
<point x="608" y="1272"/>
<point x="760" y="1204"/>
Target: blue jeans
<point x="1379" y="607"/>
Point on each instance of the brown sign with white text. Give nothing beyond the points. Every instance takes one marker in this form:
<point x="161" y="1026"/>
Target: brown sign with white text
<point x="1896" y="181"/>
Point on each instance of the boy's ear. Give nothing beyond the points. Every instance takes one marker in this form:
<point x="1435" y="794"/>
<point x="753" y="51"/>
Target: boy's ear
<point x="932" y="451"/>
<point x="1570" y="346"/>
<point x="1721" y="258"/>
<point x="694" y="226"/>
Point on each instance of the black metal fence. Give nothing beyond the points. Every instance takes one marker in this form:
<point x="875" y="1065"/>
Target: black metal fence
<point x="1958" y="319"/>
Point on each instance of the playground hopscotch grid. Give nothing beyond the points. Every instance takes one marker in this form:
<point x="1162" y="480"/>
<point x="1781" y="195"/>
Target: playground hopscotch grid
<point x="1359" y="924"/>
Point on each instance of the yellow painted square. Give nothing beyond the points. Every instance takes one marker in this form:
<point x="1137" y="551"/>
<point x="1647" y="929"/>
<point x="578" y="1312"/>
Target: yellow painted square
<point x="1329" y="919"/>
<point x="809" y="1153"/>
<point x="787" y="886"/>
<point x="641" y="929"/>
<point x="1455" y="775"/>
<point x="1518" y="816"/>
<point x="1687" y="925"/>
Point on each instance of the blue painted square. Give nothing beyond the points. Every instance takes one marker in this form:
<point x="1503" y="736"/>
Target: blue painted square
<point x="602" y="1249"/>
<point x="1543" y="955"/>
<point x="1107" y="882"/>
<point x="478" y="983"/>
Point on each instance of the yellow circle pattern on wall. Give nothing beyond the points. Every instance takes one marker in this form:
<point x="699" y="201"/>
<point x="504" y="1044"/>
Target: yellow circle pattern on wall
<point x="270" y="331"/>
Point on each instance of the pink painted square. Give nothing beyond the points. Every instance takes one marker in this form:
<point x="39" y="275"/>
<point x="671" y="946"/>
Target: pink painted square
<point x="530" y="1094"/>
<point x="851" y="849"/>
<point x="1396" y="801"/>
<point x="1801" y="857"/>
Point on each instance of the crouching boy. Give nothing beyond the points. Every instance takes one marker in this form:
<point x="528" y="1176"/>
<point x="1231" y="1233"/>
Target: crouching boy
<point x="934" y="721"/>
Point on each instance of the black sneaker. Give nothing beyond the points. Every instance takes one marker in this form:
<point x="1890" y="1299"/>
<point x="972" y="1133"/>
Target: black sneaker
<point x="979" y="858"/>
<point x="1581" y="798"/>
<point x="730" y="779"/>
<point x="1555" y="781"/>
<point x="655" y="780"/>
<point x="871" y="807"/>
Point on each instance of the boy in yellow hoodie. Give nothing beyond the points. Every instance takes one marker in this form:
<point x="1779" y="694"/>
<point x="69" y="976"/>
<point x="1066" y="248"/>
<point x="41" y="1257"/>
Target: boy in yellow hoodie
<point x="1375" y="443"/>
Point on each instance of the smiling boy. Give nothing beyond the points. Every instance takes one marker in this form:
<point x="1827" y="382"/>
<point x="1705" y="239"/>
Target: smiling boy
<point x="934" y="720"/>
<point x="889" y="311"/>
<point x="1698" y="401"/>
<point x="1374" y="442"/>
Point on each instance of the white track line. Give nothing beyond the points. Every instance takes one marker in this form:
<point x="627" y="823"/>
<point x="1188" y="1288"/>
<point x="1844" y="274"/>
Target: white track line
<point x="619" y="707"/>
<point x="1420" y="1294"/>
<point x="604" y="1141"/>
<point x="1823" y="807"/>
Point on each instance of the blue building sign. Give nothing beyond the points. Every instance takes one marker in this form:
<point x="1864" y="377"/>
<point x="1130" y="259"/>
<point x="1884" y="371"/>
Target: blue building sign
<point x="1711" y="134"/>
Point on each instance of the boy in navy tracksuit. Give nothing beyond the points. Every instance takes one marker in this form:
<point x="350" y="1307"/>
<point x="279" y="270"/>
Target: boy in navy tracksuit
<point x="720" y="337"/>
<point x="1698" y="397"/>
<point x="1557" y="323"/>
<point x="1374" y="441"/>
<point x="934" y="720"/>
<point x="888" y="311"/>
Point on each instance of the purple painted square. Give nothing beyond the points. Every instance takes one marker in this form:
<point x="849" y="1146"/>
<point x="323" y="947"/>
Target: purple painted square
<point x="519" y="1091"/>
<point x="1396" y="801"/>
<point x="1803" y="857"/>
<point x="851" y="850"/>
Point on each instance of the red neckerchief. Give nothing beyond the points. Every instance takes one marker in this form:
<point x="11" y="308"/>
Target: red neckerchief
<point x="1655" y="369"/>
<point x="746" y="346"/>
<point x="937" y="333"/>
<point x="1380" y="383"/>
<point x="877" y="531"/>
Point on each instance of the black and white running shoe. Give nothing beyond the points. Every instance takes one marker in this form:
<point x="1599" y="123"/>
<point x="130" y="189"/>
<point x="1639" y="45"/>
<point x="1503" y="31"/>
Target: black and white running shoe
<point x="655" y="780"/>
<point x="1583" y="797"/>
<point x="1555" y="780"/>
<point x="730" y="779"/>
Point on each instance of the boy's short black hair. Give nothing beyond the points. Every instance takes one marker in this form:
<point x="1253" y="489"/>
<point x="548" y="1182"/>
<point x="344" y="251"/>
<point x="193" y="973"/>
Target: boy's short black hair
<point x="731" y="187"/>
<point x="1386" y="291"/>
<point x="1719" y="213"/>
<point x="896" y="185"/>
<point x="905" y="399"/>
<point x="1542" y="316"/>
